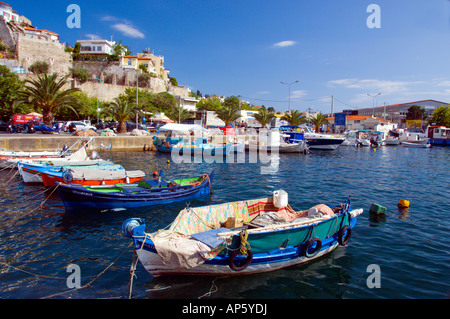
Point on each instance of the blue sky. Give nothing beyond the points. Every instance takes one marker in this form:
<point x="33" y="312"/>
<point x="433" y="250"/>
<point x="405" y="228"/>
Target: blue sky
<point x="248" y="47"/>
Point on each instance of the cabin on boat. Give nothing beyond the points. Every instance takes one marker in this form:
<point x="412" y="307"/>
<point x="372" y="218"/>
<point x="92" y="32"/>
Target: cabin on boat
<point x="438" y="135"/>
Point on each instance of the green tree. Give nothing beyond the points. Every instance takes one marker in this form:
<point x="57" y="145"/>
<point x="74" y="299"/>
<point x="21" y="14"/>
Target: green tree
<point x="77" y="48"/>
<point x="264" y="116"/>
<point x="317" y="120"/>
<point x="39" y="67"/>
<point x="9" y="89"/>
<point x="416" y="112"/>
<point x="294" y="117"/>
<point x="440" y="116"/>
<point x="173" y="81"/>
<point x="121" y="110"/>
<point x="119" y="50"/>
<point x="209" y="104"/>
<point x="79" y="73"/>
<point x="47" y="94"/>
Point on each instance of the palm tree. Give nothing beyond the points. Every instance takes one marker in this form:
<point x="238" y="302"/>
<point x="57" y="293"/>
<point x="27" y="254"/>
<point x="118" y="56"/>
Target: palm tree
<point x="121" y="110"/>
<point x="178" y="113"/>
<point x="228" y="114"/>
<point x="47" y="94"/>
<point x="264" y="117"/>
<point x="294" y="117"/>
<point x="317" y="120"/>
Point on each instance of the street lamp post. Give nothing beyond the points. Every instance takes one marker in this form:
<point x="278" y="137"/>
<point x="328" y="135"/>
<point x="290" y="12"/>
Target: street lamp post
<point x="98" y="108"/>
<point x="373" y="102"/>
<point x="289" y="85"/>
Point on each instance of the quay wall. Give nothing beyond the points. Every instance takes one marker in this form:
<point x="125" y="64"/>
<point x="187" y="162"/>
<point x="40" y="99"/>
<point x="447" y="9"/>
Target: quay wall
<point x="38" y="142"/>
<point x="50" y="143"/>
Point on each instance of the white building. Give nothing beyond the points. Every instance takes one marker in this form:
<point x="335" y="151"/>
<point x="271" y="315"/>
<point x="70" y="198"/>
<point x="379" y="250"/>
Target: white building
<point x="96" y="46"/>
<point x="188" y="103"/>
<point x="7" y="12"/>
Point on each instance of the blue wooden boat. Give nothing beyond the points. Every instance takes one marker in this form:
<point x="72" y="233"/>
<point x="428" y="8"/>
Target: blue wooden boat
<point x="242" y="237"/>
<point x="142" y="194"/>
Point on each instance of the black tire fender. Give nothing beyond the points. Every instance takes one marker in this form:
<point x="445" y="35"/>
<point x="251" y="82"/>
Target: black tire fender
<point x="344" y="237"/>
<point x="316" y="249"/>
<point x="244" y="265"/>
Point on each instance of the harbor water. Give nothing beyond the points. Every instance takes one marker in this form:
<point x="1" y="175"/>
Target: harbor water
<point x="404" y="254"/>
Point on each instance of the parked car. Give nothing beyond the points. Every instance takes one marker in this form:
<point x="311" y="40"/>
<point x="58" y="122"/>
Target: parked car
<point x="132" y="125"/>
<point x="80" y="126"/>
<point x="3" y="125"/>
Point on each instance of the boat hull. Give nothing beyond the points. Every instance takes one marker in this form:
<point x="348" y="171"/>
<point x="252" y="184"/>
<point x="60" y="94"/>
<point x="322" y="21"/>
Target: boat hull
<point x="76" y="197"/>
<point x="282" y="148"/>
<point x="49" y="180"/>
<point x="156" y="267"/>
<point x="416" y="145"/>
<point x="196" y="151"/>
<point x="323" y="143"/>
<point x="32" y="174"/>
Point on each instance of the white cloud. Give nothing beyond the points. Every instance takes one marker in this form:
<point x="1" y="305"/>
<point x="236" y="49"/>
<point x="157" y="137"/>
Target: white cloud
<point x="128" y="30"/>
<point x="298" y="94"/>
<point x="444" y="83"/>
<point x="373" y="85"/>
<point x="108" y="18"/>
<point x="284" y="44"/>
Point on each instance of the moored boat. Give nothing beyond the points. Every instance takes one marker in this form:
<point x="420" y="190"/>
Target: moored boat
<point x="274" y="142"/>
<point x="315" y="141"/>
<point x="143" y="194"/>
<point x="416" y="145"/>
<point x="186" y="139"/>
<point x="266" y="234"/>
<point x="438" y="135"/>
<point x="91" y="176"/>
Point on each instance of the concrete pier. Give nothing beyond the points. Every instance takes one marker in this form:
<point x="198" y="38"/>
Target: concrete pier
<point x="42" y="142"/>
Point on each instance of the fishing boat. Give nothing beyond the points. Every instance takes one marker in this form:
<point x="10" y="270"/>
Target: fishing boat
<point x="31" y="173"/>
<point x="243" y="237"/>
<point x="356" y="138"/>
<point x="377" y="139"/>
<point x="91" y="176"/>
<point x="9" y="158"/>
<point x="182" y="139"/>
<point x="416" y="144"/>
<point x="143" y="194"/>
<point x="438" y="135"/>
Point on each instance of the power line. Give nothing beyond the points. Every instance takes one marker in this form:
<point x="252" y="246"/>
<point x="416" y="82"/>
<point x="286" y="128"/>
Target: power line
<point x="278" y="101"/>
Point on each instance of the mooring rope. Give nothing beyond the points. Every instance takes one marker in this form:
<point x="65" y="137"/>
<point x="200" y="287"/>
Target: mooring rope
<point x="90" y="282"/>
<point x="133" y="266"/>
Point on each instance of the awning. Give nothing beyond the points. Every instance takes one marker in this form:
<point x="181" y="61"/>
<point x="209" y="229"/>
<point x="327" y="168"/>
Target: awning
<point x="35" y="114"/>
<point x="181" y="127"/>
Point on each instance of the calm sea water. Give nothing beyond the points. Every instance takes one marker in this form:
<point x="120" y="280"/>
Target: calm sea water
<point x="411" y="248"/>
